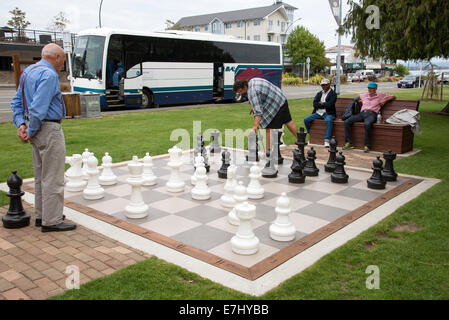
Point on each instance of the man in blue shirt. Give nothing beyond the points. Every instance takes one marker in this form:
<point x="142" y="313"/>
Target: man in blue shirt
<point x="38" y="109"/>
<point x="269" y="105"/>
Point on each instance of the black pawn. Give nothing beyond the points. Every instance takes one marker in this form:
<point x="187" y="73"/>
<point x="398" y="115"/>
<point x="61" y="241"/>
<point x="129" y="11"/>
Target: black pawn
<point x="16" y="217"/>
<point x="339" y="175"/>
<point x="280" y="159"/>
<point x="377" y="181"/>
<point x="310" y="168"/>
<point x="226" y="162"/>
<point x="297" y="174"/>
<point x="388" y="172"/>
<point x="330" y="165"/>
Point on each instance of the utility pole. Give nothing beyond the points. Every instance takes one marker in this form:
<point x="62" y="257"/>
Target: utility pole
<point x="99" y="14"/>
<point x="339" y="48"/>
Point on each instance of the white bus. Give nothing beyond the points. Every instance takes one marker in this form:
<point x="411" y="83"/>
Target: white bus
<point x="136" y="69"/>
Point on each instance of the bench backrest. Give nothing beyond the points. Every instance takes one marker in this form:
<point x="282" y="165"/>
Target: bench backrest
<point x="387" y="110"/>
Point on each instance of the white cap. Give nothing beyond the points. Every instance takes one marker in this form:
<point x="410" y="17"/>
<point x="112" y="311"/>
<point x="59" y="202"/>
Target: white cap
<point x="325" y="81"/>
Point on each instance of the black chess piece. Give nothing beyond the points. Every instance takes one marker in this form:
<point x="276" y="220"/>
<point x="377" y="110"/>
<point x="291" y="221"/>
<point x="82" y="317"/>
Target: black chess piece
<point x="297" y="174"/>
<point x="270" y="170"/>
<point x="377" y="181"/>
<point x="330" y="165"/>
<point x="280" y="158"/>
<point x="226" y="162"/>
<point x="388" y="172"/>
<point x="204" y="154"/>
<point x="310" y="168"/>
<point x="215" y="147"/>
<point x="16" y="217"/>
<point x="339" y="175"/>
<point x="301" y="143"/>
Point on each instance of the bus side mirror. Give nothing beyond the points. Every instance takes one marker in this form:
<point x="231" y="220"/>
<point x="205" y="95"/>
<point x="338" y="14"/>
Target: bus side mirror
<point x="99" y="73"/>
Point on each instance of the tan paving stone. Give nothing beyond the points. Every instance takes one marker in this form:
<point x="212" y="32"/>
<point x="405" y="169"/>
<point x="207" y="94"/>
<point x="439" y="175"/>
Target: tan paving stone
<point x="98" y="265"/>
<point x="65" y="257"/>
<point x="83" y="257"/>
<point x="40" y="265"/>
<point x="121" y="250"/>
<point x="129" y="262"/>
<point x="9" y="259"/>
<point x="74" y="243"/>
<point x="95" y="237"/>
<point x="16" y="251"/>
<point x="5" y="245"/>
<point x="24" y="284"/>
<point x="27" y="258"/>
<point x="70" y="250"/>
<point x="58" y="244"/>
<point x="92" y="273"/>
<point x="114" y="263"/>
<point x="108" y="271"/>
<point x="4" y="267"/>
<point x="32" y="274"/>
<point x="15" y="294"/>
<point x="137" y="256"/>
<point x="55" y="292"/>
<point x="59" y="265"/>
<point x="47" y="258"/>
<point x="51" y="250"/>
<point x="10" y="275"/>
<point x="104" y="249"/>
<point x="35" y="251"/>
<point x="118" y="256"/>
<point x="53" y="274"/>
<point x="23" y="244"/>
<point x="20" y="266"/>
<point x="37" y="294"/>
<point x="5" y="285"/>
<point x="46" y="284"/>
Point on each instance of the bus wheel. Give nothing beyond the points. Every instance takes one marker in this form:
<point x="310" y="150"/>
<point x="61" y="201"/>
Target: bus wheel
<point x="147" y="99"/>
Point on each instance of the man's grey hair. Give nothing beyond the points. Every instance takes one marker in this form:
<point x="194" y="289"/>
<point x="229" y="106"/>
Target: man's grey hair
<point x="51" y="50"/>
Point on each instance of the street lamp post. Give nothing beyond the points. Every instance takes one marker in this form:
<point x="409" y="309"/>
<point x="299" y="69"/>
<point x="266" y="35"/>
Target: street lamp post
<point x="99" y="14"/>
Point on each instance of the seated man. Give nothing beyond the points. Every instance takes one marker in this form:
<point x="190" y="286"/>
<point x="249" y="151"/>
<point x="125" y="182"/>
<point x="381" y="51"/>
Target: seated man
<point x="268" y="104"/>
<point x="323" y="108"/>
<point x="372" y="102"/>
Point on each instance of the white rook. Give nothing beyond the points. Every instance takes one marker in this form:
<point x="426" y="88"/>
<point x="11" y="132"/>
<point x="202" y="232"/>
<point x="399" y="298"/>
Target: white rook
<point x="245" y="241"/>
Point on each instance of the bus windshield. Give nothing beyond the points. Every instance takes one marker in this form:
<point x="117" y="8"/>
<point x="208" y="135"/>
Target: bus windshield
<point x="88" y="57"/>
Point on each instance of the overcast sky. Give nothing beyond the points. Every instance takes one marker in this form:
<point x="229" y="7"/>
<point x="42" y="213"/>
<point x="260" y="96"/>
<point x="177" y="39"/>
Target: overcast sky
<point x="149" y="15"/>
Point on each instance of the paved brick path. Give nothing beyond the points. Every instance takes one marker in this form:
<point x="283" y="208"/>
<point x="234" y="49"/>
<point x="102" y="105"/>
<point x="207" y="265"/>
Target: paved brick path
<point x="33" y="264"/>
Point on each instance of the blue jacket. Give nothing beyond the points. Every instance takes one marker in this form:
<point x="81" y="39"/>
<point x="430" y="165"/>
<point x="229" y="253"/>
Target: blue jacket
<point x="329" y="105"/>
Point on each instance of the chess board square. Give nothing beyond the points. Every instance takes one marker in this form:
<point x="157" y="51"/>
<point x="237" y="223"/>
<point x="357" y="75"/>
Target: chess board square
<point x="170" y="225"/>
<point x="121" y="179"/>
<point x="150" y="196"/>
<point x="308" y="195"/>
<point x="363" y="185"/>
<point x="263" y="233"/>
<point x="359" y="175"/>
<point x="327" y="187"/>
<point x="110" y="206"/>
<point x="203" y="237"/>
<point x="188" y="196"/>
<point x="119" y="190"/>
<point x="342" y="202"/>
<point x="295" y="204"/>
<point x="223" y="224"/>
<point x="323" y="212"/>
<point x="278" y="188"/>
<point x="203" y="214"/>
<point x="306" y="224"/>
<point x="79" y="198"/>
<point x="163" y="189"/>
<point x="225" y="251"/>
<point x="366" y="195"/>
<point x="160" y="172"/>
<point x="153" y="214"/>
<point x="265" y="213"/>
<point x="173" y="205"/>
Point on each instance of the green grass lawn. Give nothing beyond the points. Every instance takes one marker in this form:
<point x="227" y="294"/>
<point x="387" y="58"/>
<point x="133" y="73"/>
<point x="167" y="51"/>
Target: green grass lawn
<point x="413" y="265"/>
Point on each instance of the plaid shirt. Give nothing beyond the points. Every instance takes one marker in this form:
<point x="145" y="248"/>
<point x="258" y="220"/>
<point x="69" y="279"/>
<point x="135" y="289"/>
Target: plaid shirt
<point x="266" y="99"/>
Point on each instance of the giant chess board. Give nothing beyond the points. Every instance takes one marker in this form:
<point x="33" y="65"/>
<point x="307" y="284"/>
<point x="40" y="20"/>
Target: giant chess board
<point x="201" y="230"/>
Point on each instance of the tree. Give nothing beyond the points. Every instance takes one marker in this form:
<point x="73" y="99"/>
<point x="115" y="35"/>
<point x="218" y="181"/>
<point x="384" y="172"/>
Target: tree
<point x="401" y="70"/>
<point x="59" y="22"/>
<point x="18" y="20"/>
<point x="170" y="25"/>
<point x="302" y="44"/>
<point x="407" y="29"/>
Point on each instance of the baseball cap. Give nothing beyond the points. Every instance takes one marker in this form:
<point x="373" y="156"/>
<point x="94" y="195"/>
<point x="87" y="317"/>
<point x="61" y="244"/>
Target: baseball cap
<point x="325" y="81"/>
<point x="372" y="85"/>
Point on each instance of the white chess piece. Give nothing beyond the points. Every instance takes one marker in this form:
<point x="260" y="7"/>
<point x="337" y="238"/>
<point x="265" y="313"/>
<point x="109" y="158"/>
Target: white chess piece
<point x="282" y="229"/>
<point x="201" y="191"/>
<point x="199" y="161"/>
<point x="245" y="241"/>
<point x="75" y="181"/>
<point x="227" y="200"/>
<point x="136" y="208"/>
<point x="175" y="184"/>
<point x="149" y="179"/>
<point x="85" y="155"/>
<point x="93" y="190"/>
<point x="107" y="177"/>
<point x="282" y="146"/>
<point x="255" y="189"/>
<point x="240" y="197"/>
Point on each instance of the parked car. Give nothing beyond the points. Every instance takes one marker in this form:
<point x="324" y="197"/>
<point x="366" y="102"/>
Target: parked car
<point x="410" y="81"/>
<point x="352" y="77"/>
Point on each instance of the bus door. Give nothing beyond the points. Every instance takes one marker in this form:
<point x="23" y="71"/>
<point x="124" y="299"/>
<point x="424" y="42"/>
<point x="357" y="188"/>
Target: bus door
<point x="130" y="86"/>
<point x="218" y="81"/>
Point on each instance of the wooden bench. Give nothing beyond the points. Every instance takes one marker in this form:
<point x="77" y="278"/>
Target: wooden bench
<point x="384" y="136"/>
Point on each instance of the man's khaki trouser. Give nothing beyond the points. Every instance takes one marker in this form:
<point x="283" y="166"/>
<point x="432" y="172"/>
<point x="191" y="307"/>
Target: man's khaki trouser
<point x="49" y="160"/>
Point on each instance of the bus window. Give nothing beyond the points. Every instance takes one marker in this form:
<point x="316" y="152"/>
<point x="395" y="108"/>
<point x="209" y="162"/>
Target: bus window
<point x="88" y="57"/>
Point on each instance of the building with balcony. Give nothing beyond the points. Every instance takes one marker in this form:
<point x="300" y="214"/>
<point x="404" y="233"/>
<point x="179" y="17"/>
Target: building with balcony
<point x="269" y="23"/>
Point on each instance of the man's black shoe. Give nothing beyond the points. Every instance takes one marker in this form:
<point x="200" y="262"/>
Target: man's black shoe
<point x="63" y="226"/>
<point x="38" y="222"/>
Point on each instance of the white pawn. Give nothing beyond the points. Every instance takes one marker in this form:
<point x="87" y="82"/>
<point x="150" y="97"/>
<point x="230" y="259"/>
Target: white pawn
<point x="245" y="241"/>
<point x="136" y="208"/>
<point x="149" y="179"/>
<point x="239" y="197"/>
<point x="107" y="177"/>
<point x="85" y="155"/>
<point x="201" y="191"/>
<point x="199" y="161"/>
<point x="175" y="183"/>
<point x="227" y="200"/>
<point x="255" y="189"/>
<point x="282" y="229"/>
<point x="93" y="191"/>
<point x="75" y="181"/>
